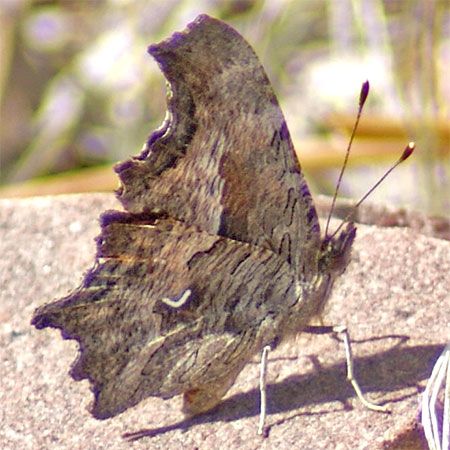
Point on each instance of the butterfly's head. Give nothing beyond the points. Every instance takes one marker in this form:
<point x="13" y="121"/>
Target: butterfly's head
<point x="335" y="251"/>
<point x="333" y="258"/>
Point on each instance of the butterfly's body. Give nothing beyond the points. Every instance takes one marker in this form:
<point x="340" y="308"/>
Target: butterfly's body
<point x="218" y="252"/>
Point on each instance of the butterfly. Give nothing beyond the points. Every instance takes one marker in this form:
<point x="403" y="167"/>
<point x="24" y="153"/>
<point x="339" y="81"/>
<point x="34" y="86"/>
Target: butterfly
<point x="218" y="250"/>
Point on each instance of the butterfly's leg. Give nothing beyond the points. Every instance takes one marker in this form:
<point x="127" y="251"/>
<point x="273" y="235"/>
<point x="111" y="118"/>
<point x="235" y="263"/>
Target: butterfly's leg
<point x="262" y="388"/>
<point x="342" y="330"/>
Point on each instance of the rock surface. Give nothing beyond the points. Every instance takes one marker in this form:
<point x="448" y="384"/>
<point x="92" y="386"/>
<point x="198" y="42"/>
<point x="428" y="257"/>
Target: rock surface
<point x="394" y="298"/>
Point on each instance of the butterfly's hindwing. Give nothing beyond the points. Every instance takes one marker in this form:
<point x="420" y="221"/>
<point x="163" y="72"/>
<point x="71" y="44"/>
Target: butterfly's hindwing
<point x="164" y="305"/>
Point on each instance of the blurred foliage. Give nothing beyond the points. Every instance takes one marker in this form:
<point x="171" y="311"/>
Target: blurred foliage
<point x="78" y="90"/>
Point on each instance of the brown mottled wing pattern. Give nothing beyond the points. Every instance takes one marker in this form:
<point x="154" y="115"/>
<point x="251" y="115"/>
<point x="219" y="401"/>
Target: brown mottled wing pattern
<point x="135" y="342"/>
<point x="224" y="159"/>
<point x="202" y="269"/>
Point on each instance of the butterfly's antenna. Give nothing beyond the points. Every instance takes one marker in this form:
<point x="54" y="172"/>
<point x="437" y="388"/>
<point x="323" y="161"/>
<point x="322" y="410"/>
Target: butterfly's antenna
<point x="362" y="99"/>
<point x="405" y="155"/>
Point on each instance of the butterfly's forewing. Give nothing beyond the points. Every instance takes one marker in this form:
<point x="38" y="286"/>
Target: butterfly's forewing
<point x="224" y="159"/>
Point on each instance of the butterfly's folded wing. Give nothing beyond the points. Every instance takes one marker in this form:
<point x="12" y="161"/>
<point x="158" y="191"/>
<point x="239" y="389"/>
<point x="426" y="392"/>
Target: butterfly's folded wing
<point x="168" y="308"/>
<point x="224" y="159"/>
<point x="202" y="269"/>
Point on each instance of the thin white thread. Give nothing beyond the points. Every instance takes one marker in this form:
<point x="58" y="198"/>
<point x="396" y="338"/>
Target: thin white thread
<point x="440" y="376"/>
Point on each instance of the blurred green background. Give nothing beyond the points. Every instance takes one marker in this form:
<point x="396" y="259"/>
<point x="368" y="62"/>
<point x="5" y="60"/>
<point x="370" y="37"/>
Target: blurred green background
<point x="79" y="92"/>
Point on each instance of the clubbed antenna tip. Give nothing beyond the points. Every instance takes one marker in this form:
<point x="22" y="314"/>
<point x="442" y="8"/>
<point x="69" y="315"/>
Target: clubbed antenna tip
<point x="364" y="93"/>
<point x="408" y="151"/>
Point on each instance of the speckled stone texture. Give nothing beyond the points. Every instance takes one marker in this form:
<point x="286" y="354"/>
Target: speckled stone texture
<point x="394" y="297"/>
